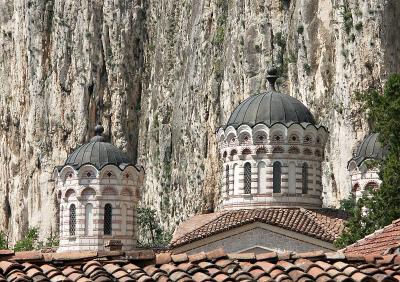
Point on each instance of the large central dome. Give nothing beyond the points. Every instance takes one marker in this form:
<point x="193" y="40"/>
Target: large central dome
<point x="269" y="108"/>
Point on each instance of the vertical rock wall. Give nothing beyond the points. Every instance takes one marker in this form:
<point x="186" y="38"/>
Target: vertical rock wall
<point x="162" y="76"/>
<point x="64" y="65"/>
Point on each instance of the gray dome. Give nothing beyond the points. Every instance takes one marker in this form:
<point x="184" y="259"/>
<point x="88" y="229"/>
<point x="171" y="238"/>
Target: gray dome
<point x="97" y="153"/>
<point x="369" y="149"/>
<point x="269" y="108"/>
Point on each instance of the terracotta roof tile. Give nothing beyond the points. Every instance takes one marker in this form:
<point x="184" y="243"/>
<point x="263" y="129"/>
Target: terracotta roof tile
<point x="380" y="242"/>
<point x="214" y="266"/>
<point x="323" y="224"/>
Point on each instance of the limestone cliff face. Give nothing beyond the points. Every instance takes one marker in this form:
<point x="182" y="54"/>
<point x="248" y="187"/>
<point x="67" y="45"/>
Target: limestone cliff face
<point x="163" y="75"/>
<point x="64" y="65"/>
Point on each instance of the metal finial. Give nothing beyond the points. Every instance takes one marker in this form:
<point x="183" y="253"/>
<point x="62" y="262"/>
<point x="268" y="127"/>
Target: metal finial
<point x="272" y="77"/>
<point x="98" y="129"/>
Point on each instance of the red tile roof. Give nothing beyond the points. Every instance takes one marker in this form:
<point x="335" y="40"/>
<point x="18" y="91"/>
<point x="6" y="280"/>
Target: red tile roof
<point x="213" y="266"/>
<point x="379" y="242"/>
<point x="323" y="224"/>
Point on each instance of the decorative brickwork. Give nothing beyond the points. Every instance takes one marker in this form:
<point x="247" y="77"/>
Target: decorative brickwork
<point x="267" y="166"/>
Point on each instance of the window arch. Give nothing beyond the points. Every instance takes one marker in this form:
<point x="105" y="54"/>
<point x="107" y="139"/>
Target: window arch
<point x="305" y="178"/>
<point x="72" y="220"/>
<point x="355" y="188"/>
<point x="107" y="219"/>
<point x="227" y="180"/>
<point x="277" y="173"/>
<point x="247" y="178"/>
<point x="371" y="186"/>
<point x="261" y="150"/>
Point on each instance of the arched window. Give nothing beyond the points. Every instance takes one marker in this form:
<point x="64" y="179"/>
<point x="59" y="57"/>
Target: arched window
<point x="277" y="172"/>
<point x="89" y="220"/>
<point x="305" y="178"/>
<point x="262" y="177"/>
<point x="227" y="179"/>
<point x="72" y="220"/>
<point x="371" y="186"/>
<point x="235" y="179"/>
<point x="247" y="178"/>
<point x="108" y="219"/>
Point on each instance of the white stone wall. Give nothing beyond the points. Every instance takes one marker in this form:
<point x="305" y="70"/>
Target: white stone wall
<point x="259" y="237"/>
<point x="110" y="185"/>
<point x="262" y="147"/>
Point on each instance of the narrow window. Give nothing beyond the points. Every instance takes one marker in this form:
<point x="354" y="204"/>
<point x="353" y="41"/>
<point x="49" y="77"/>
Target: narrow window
<point x="227" y="179"/>
<point x="277" y="172"/>
<point x="305" y="178"/>
<point x="247" y="178"/>
<point x="108" y="219"/>
<point x="72" y="220"/>
<point x="89" y="220"/>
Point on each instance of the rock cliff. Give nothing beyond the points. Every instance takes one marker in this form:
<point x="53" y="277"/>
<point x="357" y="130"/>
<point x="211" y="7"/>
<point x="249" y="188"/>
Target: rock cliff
<point x="163" y="75"/>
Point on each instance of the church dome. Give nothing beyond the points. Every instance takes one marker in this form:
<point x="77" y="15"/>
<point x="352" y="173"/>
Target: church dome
<point x="98" y="153"/>
<point x="269" y="108"/>
<point x="369" y="149"/>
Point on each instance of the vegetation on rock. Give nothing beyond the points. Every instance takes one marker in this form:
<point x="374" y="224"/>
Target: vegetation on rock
<point x="380" y="207"/>
<point x="151" y="234"/>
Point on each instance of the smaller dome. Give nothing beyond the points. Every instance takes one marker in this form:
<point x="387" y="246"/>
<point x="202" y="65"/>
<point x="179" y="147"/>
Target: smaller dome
<point x="369" y="149"/>
<point x="98" y="153"/>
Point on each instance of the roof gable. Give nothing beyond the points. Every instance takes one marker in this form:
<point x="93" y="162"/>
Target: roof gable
<point x="322" y="224"/>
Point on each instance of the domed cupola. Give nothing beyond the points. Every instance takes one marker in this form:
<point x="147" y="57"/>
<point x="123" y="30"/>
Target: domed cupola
<point x="269" y="141"/>
<point x="270" y="108"/>
<point x="98" y="190"/>
<point x="98" y="153"/>
<point x="369" y="149"/>
<point x="364" y="177"/>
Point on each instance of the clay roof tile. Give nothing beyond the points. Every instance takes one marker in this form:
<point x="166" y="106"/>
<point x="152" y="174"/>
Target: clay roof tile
<point x="179" y="258"/>
<point x="163" y="258"/>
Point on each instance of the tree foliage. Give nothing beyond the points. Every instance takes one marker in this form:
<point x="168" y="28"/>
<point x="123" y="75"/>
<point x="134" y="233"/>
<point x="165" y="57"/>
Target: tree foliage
<point x="29" y="242"/>
<point x="151" y="234"/>
<point x="3" y="241"/>
<point x="380" y="207"/>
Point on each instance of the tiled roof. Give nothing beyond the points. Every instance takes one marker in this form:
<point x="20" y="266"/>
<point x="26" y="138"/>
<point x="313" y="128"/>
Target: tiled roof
<point x="378" y="242"/>
<point x="213" y="266"/>
<point x="323" y="224"/>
